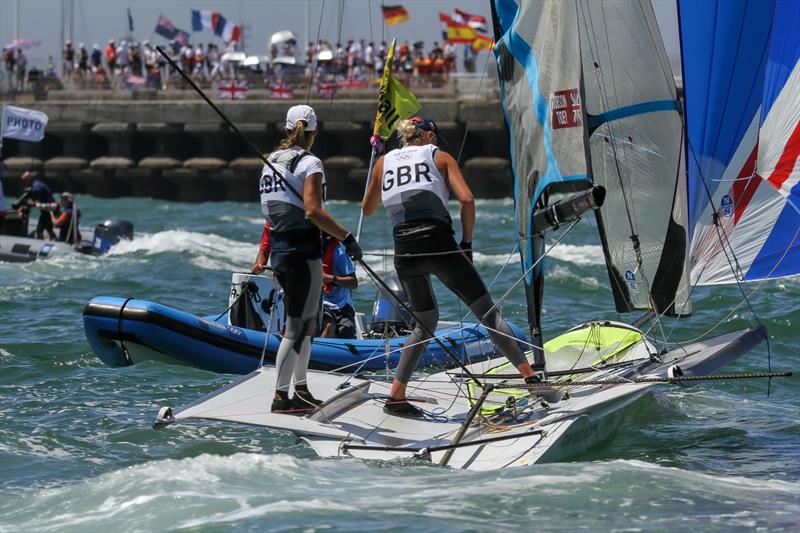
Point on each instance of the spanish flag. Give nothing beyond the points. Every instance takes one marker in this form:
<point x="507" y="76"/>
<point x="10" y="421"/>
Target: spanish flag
<point x="395" y="101"/>
<point x="394" y="15"/>
<point x="461" y="34"/>
<point x="481" y="43"/>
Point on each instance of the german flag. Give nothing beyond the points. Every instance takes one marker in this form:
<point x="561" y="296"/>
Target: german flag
<point x="394" y="15"/>
<point x="461" y="34"/>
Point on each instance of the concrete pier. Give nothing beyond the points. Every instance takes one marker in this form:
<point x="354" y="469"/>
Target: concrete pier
<point x="171" y="145"/>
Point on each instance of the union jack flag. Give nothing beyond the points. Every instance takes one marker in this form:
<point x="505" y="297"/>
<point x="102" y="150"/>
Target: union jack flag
<point x="281" y="90"/>
<point x="326" y="89"/>
<point x="232" y="90"/>
<point x="356" y="81"/>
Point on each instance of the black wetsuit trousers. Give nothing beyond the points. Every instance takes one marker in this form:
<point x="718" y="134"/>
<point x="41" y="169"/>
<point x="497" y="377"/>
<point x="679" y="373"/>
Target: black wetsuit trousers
<point x="418" y="254"/>
<point x="300" y="276"/>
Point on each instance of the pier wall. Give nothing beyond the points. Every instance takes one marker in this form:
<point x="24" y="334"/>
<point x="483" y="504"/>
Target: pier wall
<point x="173" y="146"/>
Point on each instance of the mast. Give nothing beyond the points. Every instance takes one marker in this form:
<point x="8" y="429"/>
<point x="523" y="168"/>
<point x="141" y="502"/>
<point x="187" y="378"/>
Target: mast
<point x="540" y="72"/>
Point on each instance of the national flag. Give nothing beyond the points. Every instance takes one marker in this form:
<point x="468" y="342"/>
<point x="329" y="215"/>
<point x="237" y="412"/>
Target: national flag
<point x="445" y="19"/>
<point x="281" y="90"/>
<point x="481" y="43"/>
<point x="214" y="21"/>
<point x="473" y="21"/>
<point x="461" y="34"/>
<point x="130" y="21"/>
<point x="394" y="15"/>
<point x="232" y="90"/>
<point x="326" y="89"/>
<point x="395" y="101"/>
<point x="136" y="81"/>
<point x="23" y="124"/>
<point x="202" y="20"/>
<point x="182" y="37"/>
<point x="166" y="29"/>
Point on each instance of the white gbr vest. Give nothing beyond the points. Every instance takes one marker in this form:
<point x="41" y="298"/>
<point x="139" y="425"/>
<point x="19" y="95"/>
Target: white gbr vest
<point x="283" y="209"/>
<point x="412" y="187"/>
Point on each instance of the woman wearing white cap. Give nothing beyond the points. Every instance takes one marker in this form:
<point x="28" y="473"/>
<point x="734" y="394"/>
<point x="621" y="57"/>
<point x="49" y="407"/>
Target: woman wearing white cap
<point x="292" y="191"/>
<point x="414" y="183"/>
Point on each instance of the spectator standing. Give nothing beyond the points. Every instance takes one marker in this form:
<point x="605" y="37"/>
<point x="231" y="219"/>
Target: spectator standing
<point x="68" y="56"/>
<point x="369" y="58"/>
<point x="450" y="57"/>
<point x="96" y="59"/>
<point x="123" y="58"/>
<point x="469" y="58"/>
<point x="215" y="71"/>
<point x="20" y="67"/>
<point x="83" y="60"/>
<point x="380" y="58"/>
<point x="10" y="61"/>
<point x="51" y="67"/>
<point x="111" y="58"/>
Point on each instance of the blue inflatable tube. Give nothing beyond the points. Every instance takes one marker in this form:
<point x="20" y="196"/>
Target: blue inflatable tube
<point x="126" y="331"/>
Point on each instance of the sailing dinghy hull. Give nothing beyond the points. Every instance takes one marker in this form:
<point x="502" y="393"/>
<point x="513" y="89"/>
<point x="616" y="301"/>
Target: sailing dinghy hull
<point x="352" y="423"/>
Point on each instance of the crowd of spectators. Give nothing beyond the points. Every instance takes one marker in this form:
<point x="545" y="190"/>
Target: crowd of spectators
<point x="127" y="63"/>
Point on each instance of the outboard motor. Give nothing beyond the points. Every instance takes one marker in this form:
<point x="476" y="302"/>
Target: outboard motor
<point x="389" y="319"/>
<point x="109" y="233"/>
<point x="254" y="301"/>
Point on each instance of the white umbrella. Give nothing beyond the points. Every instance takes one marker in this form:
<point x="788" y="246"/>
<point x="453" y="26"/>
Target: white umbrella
<point x="21" y="44"/>
<point x="234" y="57"/>
<point x="281" y="37"/>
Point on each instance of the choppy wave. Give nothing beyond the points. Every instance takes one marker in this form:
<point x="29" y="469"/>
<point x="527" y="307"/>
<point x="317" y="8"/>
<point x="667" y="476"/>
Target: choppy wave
<point x="286" y="492"/>
<point x="208" y="251"/>
<point x="581" y="255"/>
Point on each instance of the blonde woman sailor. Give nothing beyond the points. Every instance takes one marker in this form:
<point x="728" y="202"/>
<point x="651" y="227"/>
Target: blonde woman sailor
<point x="293" y="202"/>
<point x="414" y="183"/>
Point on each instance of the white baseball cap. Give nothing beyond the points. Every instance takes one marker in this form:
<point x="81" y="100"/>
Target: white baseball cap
<point x="301" y="112"/>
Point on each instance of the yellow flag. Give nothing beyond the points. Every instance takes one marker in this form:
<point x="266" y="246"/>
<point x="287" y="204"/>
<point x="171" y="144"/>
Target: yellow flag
<point x="395" y="101"/>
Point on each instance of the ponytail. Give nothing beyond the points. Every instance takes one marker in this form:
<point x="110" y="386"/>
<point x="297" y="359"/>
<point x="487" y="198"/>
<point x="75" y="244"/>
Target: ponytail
<point x="407" y="132"/>
<point x="295" y="137"/>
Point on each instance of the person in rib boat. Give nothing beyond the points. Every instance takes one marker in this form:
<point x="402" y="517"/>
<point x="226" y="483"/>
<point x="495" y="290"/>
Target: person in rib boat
<point x="414" y="182"/>
<point x="293" y="202"/>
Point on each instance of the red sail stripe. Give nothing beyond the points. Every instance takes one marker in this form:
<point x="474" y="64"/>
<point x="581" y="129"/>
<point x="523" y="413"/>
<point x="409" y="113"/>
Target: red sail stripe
<point x="744" y="189"/>
<point x="787" y="160"/>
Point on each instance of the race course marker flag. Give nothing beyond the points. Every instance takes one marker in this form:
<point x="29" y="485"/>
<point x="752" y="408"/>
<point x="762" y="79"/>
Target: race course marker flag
<point x="23" y="124"/>
<point x="395" y="101"/>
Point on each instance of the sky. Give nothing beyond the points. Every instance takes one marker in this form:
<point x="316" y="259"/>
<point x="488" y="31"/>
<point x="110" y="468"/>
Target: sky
<point x="97" y="21"/>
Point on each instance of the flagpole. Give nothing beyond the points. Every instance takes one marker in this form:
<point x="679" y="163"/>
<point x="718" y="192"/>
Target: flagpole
<point x="387" y="71"/>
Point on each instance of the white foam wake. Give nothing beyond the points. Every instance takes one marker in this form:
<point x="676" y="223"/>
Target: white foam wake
<point x="581" y="255"/>
<point x="208" y="251"/>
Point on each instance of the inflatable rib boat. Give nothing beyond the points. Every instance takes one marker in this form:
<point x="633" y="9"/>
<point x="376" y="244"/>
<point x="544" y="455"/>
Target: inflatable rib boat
<point x="17" y="244"/>
<point x="125" y="331"/>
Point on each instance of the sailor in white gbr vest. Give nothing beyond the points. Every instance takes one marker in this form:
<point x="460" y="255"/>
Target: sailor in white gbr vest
<point x="293" y="202"/>
<point x="414" y="183"/>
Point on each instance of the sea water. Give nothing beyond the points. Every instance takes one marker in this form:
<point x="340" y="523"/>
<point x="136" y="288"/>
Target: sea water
<point x="77" y="452"/>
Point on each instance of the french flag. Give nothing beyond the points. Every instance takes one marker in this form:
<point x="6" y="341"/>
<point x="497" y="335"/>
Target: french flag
<point x="213" y="21"/>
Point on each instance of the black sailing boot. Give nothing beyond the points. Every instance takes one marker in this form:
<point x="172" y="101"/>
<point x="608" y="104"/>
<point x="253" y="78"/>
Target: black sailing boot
<point x="282" y="404"/>
<point x="402" y="408"/>
<point x="303" y="401"/>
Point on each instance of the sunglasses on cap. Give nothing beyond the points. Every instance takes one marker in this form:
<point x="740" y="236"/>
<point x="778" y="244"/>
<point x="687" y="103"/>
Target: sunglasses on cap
<point x="426" y="124"/>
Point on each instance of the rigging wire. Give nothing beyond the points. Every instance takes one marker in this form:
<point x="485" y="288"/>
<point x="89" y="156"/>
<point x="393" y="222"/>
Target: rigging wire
<point x="315" y="59"/>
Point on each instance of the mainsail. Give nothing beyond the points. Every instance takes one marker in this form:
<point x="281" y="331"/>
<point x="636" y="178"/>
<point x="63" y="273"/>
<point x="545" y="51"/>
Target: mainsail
<point x="636" y="143"/>
<point x="742" y="90"/>
<point x="538" y="55"/>
<point x="589" y="97"/>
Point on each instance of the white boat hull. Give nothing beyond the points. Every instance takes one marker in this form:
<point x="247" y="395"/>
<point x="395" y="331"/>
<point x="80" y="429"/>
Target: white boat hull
<point x="538" y="429"/>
